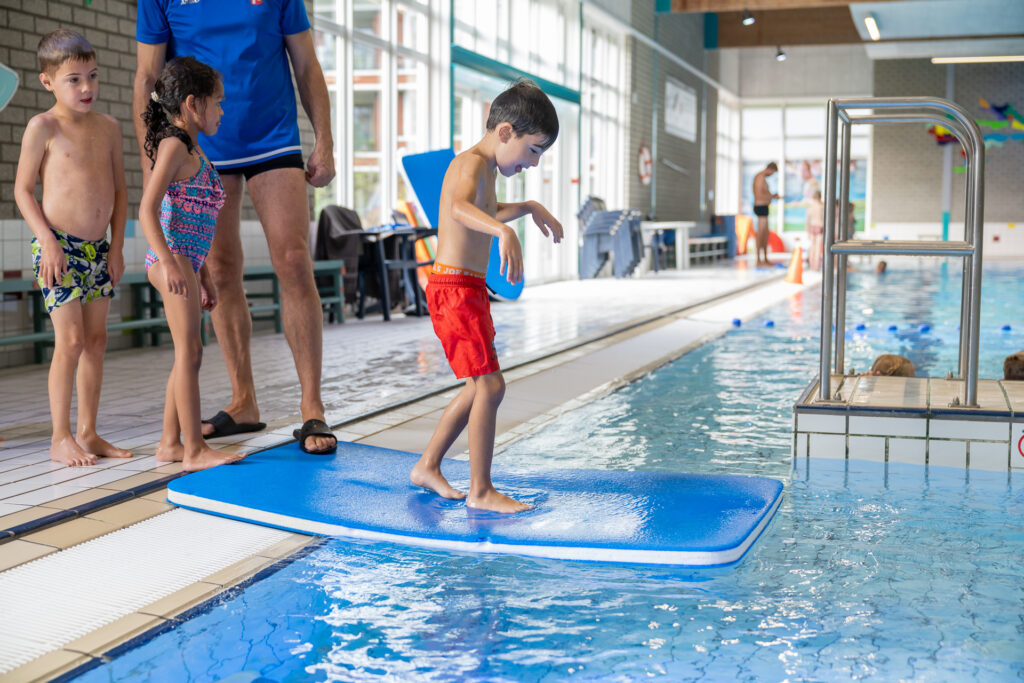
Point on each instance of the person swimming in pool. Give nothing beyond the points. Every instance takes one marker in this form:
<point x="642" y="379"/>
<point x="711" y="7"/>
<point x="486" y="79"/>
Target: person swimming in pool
<point x="521" y="126"/>
<point x="1013" y="367"/>
<point x="891" y="365"/>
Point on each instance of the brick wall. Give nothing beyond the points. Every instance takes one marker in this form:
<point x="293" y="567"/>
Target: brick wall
<point x="641" y="104"/>
<point x="907" y="182"/>
<point x="906" y="162"/>
<point x="676" y="194"/>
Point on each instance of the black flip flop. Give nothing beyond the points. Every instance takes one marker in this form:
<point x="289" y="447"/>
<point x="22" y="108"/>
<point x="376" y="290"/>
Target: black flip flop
<point x="225" y="425"/>
<point x="315" y="427"/>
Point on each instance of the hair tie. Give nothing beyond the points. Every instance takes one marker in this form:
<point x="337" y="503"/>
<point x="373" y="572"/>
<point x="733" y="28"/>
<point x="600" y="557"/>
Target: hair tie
<point x="153" y="96"/>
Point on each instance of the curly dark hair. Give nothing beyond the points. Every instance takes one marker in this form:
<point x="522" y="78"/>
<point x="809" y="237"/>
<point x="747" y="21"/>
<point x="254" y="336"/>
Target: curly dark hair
<point x="181" y="77"/>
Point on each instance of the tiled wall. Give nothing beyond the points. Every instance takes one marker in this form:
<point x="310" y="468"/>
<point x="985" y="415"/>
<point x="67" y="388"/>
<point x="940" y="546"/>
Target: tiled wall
<point x="907" y="163"/>
<point x="920" y="440"/>
<point x="676" y="195"/>
<point x="809" y="71"/>
<point x="913" y="420"/>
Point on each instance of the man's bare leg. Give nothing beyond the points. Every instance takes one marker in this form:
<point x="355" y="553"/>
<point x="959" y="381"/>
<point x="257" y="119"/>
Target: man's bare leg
<point x="69" y="340"/>
<point x="427" y="470"/>
<point x="762" y="240"/>
<point x="488" y="392"/>
<point x="90" y="380"/>
<point x="279" y="196"/>
<point x="231" y="318"/>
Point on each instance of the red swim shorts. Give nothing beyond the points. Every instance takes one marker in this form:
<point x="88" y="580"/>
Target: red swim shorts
<point x="461" y="313"/>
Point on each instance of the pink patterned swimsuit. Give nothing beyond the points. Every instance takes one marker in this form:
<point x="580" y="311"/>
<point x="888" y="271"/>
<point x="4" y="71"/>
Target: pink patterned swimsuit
<point x="188" y="214"/>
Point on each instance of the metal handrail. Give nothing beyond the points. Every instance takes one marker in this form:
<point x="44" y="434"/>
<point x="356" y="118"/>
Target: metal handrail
<point x="900" y="110"/>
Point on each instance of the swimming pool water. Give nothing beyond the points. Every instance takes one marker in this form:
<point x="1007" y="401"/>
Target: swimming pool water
<point x="867" y="572"/>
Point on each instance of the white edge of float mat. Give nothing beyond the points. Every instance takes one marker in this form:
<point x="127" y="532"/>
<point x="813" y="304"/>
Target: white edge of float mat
<point x="682" y="558"/>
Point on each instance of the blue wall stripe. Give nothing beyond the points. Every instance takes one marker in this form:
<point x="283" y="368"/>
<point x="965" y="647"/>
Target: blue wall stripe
<point x="493" y="67"/>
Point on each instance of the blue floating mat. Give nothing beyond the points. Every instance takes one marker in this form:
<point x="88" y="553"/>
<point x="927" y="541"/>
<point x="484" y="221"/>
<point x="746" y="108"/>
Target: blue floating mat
<point x="604" y="516"/>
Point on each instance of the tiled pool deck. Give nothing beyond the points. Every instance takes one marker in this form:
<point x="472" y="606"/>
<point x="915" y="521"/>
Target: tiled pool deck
<point x="368" y="365"/>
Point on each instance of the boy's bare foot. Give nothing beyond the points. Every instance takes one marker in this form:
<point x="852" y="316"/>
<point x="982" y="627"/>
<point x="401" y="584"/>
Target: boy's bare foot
<point x="94" y="444"/>
<point x="434" y="481"/>
<point x="174" y="452"/>
<point x="68" y="452"/>
<point x="496" y="502"/>
<point x="206" y="457"/>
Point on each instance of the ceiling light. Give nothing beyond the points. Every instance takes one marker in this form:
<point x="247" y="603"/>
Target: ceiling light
<point x="748" y="18"/>
<point x="780" y="56"/>
<point x="872" y="26"/>
<point x="976" y="60"/>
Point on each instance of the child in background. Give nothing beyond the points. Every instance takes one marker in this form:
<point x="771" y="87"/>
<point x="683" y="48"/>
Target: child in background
<point x="815" y="224"/>
<point x="521" y="126"/>
<point x="178" y="214"/>
<point x="76" y="154"/>
<point x="1013" y="367"/>
<point x="891" y="365"/>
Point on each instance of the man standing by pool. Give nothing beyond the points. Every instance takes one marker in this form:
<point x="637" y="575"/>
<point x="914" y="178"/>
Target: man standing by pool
<point x="762" y="198"/>
<point x="250" y="44"/>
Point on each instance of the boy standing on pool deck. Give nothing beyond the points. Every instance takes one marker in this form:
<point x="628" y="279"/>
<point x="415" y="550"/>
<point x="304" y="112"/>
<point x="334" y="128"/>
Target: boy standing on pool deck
<point x="521" y="126"/>
<point x="76" y="154"/>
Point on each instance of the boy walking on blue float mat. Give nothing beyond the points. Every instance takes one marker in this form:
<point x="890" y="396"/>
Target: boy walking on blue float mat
<point x="521" y="126"/>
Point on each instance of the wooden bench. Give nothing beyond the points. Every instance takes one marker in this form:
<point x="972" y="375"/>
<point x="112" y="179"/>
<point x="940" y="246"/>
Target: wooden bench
<point x="147" y="309"/>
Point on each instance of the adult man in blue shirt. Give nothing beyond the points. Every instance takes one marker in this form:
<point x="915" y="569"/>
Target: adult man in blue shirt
<point x="250" y="44"/>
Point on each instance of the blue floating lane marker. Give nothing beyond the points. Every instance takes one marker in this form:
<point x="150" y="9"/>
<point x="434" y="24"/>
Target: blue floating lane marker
<point x="861" y="326"/>
<point x="1006" y="328"/>
<point x="736" y="322"/>
<point x="893" y="328"/>
<point x="654" y="518"/>
<point x="924" y="328"/>
<point x="769" y="323"/>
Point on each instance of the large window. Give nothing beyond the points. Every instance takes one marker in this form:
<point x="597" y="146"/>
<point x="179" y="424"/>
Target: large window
<point x="381" y="59"/>
<point x="727" y="161"/>
<point x="540" y="37"/>
<point x="793" y="136"/>
<point x="499" y="39"/>
<point x="605" y="115"/>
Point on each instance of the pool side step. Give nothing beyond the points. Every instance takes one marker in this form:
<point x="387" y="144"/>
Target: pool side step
<point x="916" y="420"/>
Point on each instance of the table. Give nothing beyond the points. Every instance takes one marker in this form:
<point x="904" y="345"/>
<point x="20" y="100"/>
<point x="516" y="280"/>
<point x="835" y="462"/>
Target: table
<point x="682" y="231"/>
<point x="406" y="262"/>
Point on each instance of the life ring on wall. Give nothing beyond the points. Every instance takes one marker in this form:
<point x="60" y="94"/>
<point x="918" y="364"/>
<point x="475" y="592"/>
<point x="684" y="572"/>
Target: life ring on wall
<point x="645" y="164"/>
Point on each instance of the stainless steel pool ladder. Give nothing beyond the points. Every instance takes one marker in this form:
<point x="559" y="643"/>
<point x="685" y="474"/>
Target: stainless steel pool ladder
<point x="833" y="285"/>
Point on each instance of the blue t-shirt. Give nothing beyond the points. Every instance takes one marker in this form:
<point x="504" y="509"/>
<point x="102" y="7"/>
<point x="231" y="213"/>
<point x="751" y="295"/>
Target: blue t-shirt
<point x="244" y="41"/>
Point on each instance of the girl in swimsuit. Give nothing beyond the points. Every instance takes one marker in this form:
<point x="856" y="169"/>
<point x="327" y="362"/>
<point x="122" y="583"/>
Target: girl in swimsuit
<point x="178" y="214"/>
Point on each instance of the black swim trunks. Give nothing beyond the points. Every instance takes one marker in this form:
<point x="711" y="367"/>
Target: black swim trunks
<point x="760" y="209"/>
<point x="285" y="161"/>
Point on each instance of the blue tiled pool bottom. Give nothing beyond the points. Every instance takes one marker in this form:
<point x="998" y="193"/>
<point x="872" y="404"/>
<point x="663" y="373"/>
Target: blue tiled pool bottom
<point x="869" y="572"/>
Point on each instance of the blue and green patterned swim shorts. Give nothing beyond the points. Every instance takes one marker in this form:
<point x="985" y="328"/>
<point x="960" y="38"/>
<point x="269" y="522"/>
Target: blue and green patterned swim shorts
<point x="87" y="277"/>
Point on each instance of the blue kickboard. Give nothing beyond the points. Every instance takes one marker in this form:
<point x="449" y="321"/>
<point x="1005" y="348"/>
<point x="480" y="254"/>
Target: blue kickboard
<point x="424" y="173"/>
<point x="597" y="515"/>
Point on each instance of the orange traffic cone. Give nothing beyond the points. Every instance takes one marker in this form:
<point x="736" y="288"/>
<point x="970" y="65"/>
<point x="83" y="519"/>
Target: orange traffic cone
<point x="795" y="275"/>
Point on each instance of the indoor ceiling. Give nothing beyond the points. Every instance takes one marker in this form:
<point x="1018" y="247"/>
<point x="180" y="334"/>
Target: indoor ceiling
<point x="908" y="28"/>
